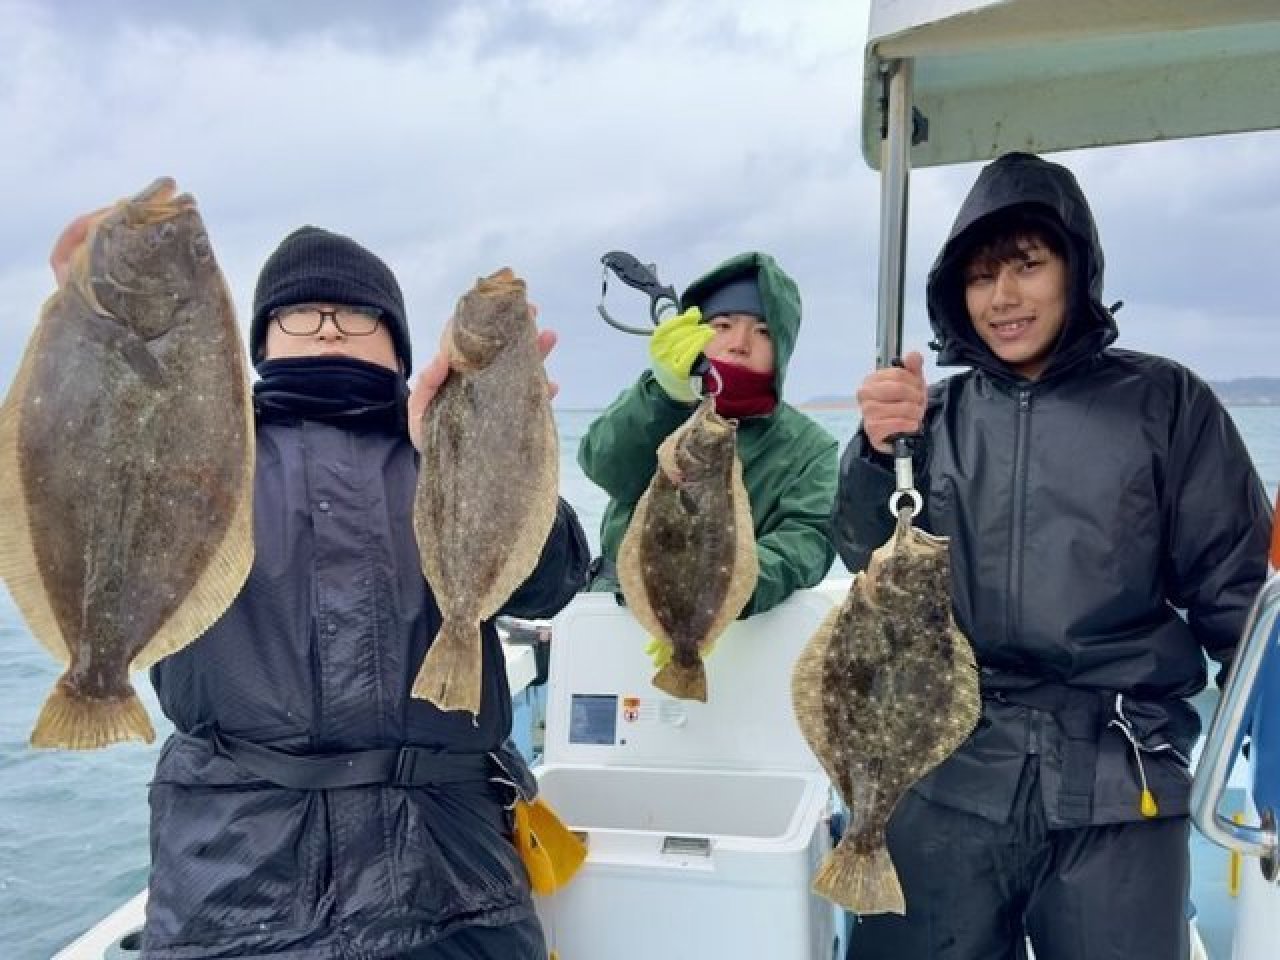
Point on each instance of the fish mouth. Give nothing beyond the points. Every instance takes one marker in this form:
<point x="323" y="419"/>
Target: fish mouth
<point x="160" y="190"/>
<point x="163" y="192"/>
<point x="158" y="202"/>
<point x="711" y="421"/>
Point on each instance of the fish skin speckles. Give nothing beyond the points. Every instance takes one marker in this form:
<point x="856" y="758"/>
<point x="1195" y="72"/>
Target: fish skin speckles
<point x="487" y="486"/>
<point x="687" y="564"/>
<point x="126" y="464"/>
<point x="886" y="689"/>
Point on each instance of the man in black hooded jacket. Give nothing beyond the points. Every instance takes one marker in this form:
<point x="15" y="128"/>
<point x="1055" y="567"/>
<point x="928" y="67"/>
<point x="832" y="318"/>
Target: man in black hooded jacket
<point x="1107" y="528"/>
<point x="306" y="806"/>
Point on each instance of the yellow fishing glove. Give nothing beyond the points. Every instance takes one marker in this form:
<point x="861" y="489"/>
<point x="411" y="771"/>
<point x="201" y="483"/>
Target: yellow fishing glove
<point x="673" y="349"/>
<point x="660" y="652"/>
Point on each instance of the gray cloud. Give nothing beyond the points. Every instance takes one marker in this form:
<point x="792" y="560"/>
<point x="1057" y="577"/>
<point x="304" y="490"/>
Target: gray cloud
<point x="381" y="22"/>
<point x="454" y="138"/>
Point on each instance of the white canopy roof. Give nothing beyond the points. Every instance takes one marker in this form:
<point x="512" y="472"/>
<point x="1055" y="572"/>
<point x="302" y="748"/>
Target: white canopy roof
<point x="1043" y="75"/>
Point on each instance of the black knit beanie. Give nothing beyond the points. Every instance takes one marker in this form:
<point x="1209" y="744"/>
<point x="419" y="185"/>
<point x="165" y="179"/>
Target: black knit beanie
<point x="315" y="266"/>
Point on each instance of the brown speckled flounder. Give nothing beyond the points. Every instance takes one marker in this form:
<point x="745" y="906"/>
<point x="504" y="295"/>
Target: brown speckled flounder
<point x="126" y="464"/>
<point x="487" y="486"/>
<point x="687" y="564"/>
<point x="885" y="690"/>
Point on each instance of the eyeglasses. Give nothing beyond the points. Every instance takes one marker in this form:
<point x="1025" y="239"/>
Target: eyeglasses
<point x="306" y="319"/>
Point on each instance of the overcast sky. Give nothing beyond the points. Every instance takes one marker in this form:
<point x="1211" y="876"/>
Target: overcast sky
<point x="453" y="138"/>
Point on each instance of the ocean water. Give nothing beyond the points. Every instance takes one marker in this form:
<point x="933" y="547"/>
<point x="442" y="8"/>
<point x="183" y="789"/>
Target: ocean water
<point x="73" y="827"/>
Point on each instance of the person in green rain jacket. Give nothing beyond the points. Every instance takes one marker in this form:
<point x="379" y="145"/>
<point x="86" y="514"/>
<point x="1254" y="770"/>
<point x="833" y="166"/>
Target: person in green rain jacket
<point x="744" y="316"/>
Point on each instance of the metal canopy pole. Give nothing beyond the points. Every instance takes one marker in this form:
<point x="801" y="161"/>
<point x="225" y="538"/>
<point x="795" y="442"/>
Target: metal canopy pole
<point x="895" y="170"/>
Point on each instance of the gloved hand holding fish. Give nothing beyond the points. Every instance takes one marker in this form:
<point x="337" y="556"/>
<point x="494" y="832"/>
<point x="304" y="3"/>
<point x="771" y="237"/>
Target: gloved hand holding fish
<point x="885" y="690"/>
<point x="487" y="486"/>
<point x="126" y="462"/>
<point x="674" y="349"/>
<point x="687" y="564"/>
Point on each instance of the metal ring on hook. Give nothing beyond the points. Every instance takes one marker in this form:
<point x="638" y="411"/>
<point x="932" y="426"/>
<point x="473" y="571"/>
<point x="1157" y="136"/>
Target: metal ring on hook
<point x="699" y="383"/>
<point x="915" y="503"/>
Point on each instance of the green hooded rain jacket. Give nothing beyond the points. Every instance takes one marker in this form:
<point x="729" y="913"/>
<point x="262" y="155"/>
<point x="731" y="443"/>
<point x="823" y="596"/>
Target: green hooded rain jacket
<point x="789" y="462"/>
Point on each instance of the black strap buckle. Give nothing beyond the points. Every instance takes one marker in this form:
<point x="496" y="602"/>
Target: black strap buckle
<point x="405" y="767"/>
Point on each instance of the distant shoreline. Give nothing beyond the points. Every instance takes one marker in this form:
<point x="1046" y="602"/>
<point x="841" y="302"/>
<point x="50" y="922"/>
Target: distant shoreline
<point x="826" y="405"/>
<point x="837" y="406"/>
<point x="851" y="405"/>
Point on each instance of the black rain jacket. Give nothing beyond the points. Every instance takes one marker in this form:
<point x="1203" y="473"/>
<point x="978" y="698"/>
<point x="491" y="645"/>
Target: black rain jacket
<point x="317" y="655"/>
<point x="1107" y="527"/>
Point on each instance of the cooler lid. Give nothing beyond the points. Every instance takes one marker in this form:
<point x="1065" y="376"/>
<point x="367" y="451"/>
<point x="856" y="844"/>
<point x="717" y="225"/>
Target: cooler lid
<point x="603" y="710"/>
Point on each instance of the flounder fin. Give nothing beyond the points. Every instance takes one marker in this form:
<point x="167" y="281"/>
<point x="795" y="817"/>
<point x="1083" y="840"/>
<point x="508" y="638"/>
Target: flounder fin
<point x="19" y="567"/>
<point x="631" y="572"/>
<point x="686" y="683"/>
<point x="450" y="673"/>
<point x="863" y="883"/>
<point x="78" y="723"/>
<point x="807" y="693"/>
<point x="525" y="551"/>
<point x="968" y="689"/>
<point x="222" y="579"/>
<point x="746" y="571"/>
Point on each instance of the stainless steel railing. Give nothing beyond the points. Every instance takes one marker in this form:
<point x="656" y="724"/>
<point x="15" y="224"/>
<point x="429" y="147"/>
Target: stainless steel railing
<point x="1210" y="782"/>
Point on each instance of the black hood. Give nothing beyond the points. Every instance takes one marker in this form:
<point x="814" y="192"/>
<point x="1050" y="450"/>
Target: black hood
<point x="1022" y="183"/>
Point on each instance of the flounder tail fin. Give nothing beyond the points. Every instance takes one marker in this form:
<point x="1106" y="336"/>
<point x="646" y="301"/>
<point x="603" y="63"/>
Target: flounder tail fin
<point x="863" y="883"/>
<point x="684" y="682"/>
<point x="450" y="673"/>
<point x="73" y="722"/>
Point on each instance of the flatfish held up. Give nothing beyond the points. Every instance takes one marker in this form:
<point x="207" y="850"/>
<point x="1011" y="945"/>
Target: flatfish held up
<point x="687" y="563"/>
<point x="487" y="488"/>
<point x="885" y="690"/>
<point x="126" y="464"/>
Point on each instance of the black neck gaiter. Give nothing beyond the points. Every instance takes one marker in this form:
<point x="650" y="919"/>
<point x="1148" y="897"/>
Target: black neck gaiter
<point x="343" y="391"/>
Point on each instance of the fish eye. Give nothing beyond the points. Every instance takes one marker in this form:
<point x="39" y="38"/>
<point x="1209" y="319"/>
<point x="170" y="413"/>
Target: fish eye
<point x="160" y="233"/>
<point x="200" y="248"/>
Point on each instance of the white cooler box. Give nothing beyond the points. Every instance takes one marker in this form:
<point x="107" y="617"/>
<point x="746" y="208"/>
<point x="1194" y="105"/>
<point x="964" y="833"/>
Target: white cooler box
<point x="704" y="823"/>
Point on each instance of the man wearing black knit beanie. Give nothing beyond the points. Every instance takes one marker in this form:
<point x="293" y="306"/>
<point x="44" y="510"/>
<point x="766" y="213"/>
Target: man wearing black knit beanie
<point x="307" y="806"/>
<point x="314" y="266"/>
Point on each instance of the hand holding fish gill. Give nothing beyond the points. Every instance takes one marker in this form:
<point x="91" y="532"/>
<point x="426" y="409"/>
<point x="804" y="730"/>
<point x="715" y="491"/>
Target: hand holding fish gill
<point x="432" y="377"/>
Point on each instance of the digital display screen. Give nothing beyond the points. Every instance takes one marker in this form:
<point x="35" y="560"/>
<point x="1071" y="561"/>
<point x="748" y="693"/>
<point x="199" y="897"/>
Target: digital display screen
<point x="593" y="718"/>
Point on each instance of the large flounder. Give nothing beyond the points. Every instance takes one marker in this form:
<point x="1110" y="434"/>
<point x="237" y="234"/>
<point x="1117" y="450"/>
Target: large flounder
<point x="126" y="464"/>
<point x="687" y="563"/>
<point x="487" y="487"/>
<point x="885" y="690"/>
